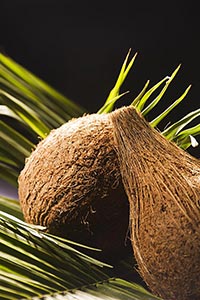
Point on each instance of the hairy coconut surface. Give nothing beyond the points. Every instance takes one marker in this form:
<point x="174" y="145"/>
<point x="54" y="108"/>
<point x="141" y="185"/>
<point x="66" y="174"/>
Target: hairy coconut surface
<point x="72" y="184"/>
<point x="163" y="186"/>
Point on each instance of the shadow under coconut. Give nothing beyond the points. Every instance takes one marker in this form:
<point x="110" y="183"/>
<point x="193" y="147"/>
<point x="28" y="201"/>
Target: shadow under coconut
<point x="107" y="230"/>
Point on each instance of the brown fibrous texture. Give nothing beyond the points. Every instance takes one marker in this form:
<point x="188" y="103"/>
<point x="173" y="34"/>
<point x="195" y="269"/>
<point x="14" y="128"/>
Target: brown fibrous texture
<point x="163" y="186"/>
<point x="71" y="184"/>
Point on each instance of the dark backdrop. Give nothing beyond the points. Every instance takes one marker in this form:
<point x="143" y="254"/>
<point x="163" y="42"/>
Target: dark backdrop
<point x="78" y="46"/>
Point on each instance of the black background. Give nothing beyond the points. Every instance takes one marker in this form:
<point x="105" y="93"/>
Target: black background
<point x="78" y="46"/>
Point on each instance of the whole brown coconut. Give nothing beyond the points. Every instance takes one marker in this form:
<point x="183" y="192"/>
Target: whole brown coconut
<point x="163" y="186"/>
<point x="72" y="184"/>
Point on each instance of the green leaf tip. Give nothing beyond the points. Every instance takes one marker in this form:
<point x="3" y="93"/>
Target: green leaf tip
<point x="167" y="80"/>
<point x="114" y="93"/>
<point x="160" y="117"/>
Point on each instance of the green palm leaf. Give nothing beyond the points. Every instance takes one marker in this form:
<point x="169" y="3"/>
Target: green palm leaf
<point x="11" y="206"/>
<point x="114" y="93"/>
<point x="33" y="264"/>
<point x="17" y="80"/>
<point x="34" y="107"/>
<point x="112" y="289"/>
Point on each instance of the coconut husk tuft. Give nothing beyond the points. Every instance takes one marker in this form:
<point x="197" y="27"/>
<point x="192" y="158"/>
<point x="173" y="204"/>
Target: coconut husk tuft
<point x="163" y="187"/>
<point x="72" y="184"/>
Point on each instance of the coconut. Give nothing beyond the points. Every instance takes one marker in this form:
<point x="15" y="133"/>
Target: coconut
<point x="163" y="187"/>
<point x="71" y="184"/>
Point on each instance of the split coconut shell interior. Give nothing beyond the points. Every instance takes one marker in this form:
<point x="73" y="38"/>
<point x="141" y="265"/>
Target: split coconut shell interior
<point x="163" y="187"/>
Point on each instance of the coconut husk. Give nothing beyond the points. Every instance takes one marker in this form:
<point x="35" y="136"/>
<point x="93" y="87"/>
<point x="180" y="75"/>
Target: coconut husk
<point x="163" y="187"/>
<point x="71" y="184"/>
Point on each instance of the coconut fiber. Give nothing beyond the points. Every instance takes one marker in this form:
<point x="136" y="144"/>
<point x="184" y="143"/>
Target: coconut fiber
<point x="71" y="184"/>
<point x="163" y="187"/>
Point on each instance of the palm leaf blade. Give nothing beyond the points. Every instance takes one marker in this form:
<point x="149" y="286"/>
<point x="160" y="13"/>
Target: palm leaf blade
<point x="175" y="128"/>
<point x="41" y="87"/>
<point x="11" y="206"/>
<point x="18" y="140"/>
<point x="111" y="289"/>
<point x="33" y="263"/>
<point x="114" y="93"/>
<point x="159" y="97"/>
<point x="160" y="117"/>
<point x="184" y="138"/>
<point x="47" y="111"/>
<point x="147" y="95"/>
<point x="8" y="174"/>
<point x="29" y="116"/>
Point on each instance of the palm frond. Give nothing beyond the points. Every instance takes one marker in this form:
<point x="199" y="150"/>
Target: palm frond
<point x="111" y="289"/>
<point x="16" y="80"/>
<point x="139" y="105"/>
<point x="34" y="107"/>
<point x="114" y="93"/>
<point x="29" y="253"/>
<point x="161" y="94"/>
<point x="185" y="138"/>
<point x="160" y="117"/>
<point x="34" y="264"/>
<point x="144" y="96"/>
<point x="11" y="206"/>
<point x="175" y="129"/>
